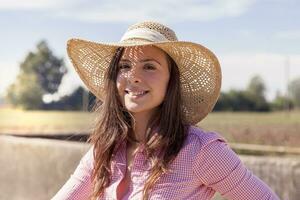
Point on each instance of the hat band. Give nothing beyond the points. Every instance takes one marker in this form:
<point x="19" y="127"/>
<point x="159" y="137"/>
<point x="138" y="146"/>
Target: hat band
<point x="144" y="33"/>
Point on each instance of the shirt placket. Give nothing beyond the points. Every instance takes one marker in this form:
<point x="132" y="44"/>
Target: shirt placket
<point x="138" y="174"/>
<point x="119" y="170"/>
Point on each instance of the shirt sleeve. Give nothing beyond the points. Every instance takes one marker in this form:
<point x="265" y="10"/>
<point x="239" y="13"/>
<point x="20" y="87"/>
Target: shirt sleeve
<point x="78" y="187"/>
<point x="218" y="167"/>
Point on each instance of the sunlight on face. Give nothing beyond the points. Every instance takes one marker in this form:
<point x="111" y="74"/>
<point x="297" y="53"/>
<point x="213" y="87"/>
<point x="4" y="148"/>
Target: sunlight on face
<point x="142" y="78"/>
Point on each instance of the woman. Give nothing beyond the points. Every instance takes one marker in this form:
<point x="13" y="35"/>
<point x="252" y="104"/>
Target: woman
<point x="153" y="89"/>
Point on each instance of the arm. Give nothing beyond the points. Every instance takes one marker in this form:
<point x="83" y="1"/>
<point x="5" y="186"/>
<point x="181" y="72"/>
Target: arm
<point x="218" y="167"/>
<point x="78" y="187"/>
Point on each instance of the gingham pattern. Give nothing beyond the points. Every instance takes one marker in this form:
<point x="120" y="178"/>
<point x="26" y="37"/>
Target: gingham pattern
<point x="204" y="165"/>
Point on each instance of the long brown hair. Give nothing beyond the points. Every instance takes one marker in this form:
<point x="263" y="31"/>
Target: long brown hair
<point x="114" y="125"/>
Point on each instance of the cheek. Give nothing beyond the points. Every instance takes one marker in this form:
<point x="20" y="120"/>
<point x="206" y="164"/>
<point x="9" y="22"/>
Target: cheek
<point x="120" y="88"/>
<point x="120" y="82"/>
<point x="164" y="85"/>
<point x="161" y="84"/>
<point x="164" y="80"/>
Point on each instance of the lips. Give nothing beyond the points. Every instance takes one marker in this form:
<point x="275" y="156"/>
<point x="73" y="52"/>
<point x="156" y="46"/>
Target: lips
<point x="136" y="93"/>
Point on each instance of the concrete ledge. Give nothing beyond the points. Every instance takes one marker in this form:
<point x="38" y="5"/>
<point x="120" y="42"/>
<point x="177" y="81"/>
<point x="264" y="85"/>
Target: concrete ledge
<point x="258" y="149"/>
<point x="282" y="174"/>
<point x="34" y="168"/>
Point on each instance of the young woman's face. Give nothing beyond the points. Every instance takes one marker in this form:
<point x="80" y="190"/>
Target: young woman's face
<point x="142" y="78"/>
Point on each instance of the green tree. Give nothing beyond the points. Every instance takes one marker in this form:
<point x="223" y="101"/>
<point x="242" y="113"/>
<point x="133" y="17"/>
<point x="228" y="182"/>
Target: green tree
<point x="294" y="91"/>
<point x="40" y="73"/>
<point x="74" y="101"/>
<point x="26" y="92"/>
<point x="48" y="68"/>
<point x="240" y="101"/>
<point x="251" y="99"/>
<point x="256" y="86"/>
<point x="281" y="102"/>
<point x="223" y="103"/>
<point x="235" y="100"/>
<point x="256" y="93"/>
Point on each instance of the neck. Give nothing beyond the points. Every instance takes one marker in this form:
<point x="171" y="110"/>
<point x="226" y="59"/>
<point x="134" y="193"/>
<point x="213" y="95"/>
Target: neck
<point x="141" y="125"/>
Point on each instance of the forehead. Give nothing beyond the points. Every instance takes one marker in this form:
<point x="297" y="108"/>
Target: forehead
<point x="139" y="52"/>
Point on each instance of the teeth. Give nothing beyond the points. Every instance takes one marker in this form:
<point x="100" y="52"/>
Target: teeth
<point x="136" y="93"/>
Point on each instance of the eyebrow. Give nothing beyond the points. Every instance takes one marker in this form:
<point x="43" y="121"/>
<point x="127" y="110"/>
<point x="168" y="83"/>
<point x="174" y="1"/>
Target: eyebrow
<point x="144" y="60"/>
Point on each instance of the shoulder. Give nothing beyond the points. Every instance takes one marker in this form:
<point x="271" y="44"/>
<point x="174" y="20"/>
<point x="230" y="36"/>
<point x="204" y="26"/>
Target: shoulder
<point x="87" y="160"/>
<point x="200" y="138"/>
<point x="212" y="156"/>
<point x="200" y="142"/>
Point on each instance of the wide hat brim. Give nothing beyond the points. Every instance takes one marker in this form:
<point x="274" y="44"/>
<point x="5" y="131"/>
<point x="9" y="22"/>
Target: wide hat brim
<point x="200" y="72"/>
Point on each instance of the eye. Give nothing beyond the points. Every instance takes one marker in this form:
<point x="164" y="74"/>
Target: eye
<point x="124" y="66"/>
<point x="149" y="66"/>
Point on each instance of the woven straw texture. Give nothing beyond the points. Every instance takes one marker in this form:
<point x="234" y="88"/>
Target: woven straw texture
<point x="200" y="72"/>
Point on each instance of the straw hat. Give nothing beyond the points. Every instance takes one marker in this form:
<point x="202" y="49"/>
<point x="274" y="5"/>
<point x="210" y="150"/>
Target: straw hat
<point x="200" y="72"/>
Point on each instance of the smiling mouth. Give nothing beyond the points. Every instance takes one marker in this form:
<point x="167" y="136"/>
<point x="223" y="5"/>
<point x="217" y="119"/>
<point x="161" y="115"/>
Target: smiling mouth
<point x="136" y="94"/>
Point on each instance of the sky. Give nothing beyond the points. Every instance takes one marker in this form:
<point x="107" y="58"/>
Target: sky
<point x="249" y="37"/>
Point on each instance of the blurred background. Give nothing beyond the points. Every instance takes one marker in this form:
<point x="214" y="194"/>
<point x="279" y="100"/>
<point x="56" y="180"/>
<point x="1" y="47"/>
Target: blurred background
<point x="41" y="96"/>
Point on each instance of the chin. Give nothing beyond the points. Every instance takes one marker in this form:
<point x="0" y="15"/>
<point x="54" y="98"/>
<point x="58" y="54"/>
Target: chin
<point x="135" y="110"/>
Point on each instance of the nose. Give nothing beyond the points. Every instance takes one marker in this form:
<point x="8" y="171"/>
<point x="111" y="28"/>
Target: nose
<point x="134" y="76"/>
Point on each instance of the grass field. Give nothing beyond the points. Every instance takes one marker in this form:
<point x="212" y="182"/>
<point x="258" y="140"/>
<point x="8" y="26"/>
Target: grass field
<point x="275" y="128"/>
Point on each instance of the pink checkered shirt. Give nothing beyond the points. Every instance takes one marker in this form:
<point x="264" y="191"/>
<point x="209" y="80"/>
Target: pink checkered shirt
<point x="204" y="165"/>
